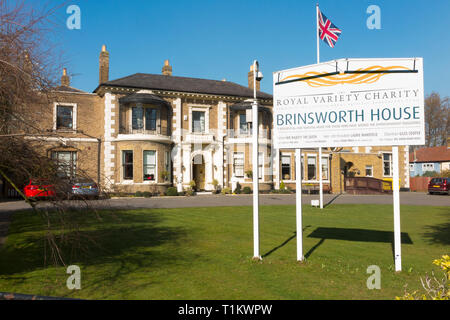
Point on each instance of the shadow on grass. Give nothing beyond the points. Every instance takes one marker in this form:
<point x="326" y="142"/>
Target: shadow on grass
<point x="332" y="200"/>
<point x="127" y="242"/>
<point x="438" y="234"/>
<point x="360" y="235"/>
<point x="283" y="244"/>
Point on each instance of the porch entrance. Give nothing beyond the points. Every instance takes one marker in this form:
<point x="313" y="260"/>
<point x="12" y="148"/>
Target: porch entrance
<point x="198" y="171"/>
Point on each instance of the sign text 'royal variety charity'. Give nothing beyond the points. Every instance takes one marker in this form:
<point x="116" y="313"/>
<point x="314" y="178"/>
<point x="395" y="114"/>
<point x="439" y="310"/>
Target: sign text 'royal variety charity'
<point x="350" y="102"/>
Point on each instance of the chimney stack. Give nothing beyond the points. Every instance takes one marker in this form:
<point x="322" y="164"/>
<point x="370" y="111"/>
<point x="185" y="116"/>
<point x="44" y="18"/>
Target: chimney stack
<point x="167" y="68"/>
<point x="65" y="80"/>
<point x="104" y="66"/>
<point x="251" y="79"/>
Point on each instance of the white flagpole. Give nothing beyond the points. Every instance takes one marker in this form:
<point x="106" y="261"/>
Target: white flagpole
<point x="320" y="149"/>
<point x="317" y="32"/>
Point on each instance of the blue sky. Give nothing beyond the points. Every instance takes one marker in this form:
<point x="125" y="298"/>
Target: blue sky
<point x="220" y="39"/>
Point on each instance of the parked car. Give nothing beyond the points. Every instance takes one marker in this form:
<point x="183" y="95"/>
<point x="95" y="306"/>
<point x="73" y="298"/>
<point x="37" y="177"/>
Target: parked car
<point x="84" y="188"/>
<point x="39" y="188"/>
<point x="439" y="185"/>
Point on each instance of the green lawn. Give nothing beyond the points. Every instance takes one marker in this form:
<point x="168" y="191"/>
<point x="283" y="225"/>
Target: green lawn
<point x="205" y="253"/>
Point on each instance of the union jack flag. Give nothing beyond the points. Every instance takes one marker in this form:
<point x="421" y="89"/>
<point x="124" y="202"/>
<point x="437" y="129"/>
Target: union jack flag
<point x="328" y="32"/>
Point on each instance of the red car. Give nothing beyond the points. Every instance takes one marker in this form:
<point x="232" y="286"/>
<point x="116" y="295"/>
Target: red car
<point x="39" y="188"/>
<point x="439" y="185"/>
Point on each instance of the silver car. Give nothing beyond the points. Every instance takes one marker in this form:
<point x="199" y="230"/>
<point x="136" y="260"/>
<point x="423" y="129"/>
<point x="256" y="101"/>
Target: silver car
<point x="85" y="189"/>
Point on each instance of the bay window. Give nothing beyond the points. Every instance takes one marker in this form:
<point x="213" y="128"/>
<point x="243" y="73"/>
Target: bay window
<point x="149" y="165"/>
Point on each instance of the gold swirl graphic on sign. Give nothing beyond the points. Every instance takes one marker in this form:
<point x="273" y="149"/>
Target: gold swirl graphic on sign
<point x="342" y="78"/>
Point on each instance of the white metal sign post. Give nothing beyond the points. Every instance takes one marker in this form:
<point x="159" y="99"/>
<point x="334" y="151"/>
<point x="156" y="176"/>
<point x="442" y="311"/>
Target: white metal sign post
<point x="350" y="103"/>
<point x="298" y="200"/>
<point x="396" y="195"/>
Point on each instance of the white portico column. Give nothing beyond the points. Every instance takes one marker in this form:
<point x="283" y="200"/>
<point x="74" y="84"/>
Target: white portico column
<point x="187" y="163"/>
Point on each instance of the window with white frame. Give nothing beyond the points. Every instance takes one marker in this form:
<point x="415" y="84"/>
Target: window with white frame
<point x="65" y="116"/>
<point x="369" y="171"/>
<point x="312" y="168"/>
<point x="411" y="167"/>
<point x="149" y="165"/>
<point x="238" y="164"/>
<point x="127" y="165"/>
<point x="286" y="167"/>
<point x="243" y="123"/>
<point x="66" y="163"/>
<point x="198" y="121"/>
<point x="324" y="168"/>
<point x="387" y="164"/>
<point x="427" y="167"/>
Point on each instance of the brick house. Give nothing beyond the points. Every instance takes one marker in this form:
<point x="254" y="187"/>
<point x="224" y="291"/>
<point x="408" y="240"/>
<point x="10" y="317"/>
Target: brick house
<point x="146" y="132"/>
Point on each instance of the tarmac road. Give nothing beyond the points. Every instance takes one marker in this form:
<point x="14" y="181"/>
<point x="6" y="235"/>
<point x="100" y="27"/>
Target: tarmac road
<point x="406" y="198"/>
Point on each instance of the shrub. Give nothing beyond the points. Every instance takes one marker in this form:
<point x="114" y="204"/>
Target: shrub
<point x="189" y="192"/>
<point x="192" y="184"/>
<point x="215" y="184"/>
<point x="246" y="190"/>
<point x="147" y="194"/>
<point x="282" y="186"/>
<point x="434" y="288"/>
<point x="138" y="194"/>
<point x="445" y="173"/>
<point x="226" y="191"/>
<point x="172" y="191"/>
<point x="238" y="189"/>
<point x="430" y="174"/>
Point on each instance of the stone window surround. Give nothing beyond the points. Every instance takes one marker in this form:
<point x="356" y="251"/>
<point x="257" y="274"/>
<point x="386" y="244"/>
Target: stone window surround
<point x="74" y="115"/>
<point x="205" y="109"/>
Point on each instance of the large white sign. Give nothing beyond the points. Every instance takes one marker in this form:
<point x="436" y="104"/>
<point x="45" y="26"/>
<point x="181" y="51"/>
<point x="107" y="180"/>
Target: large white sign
<point x="350" y="102"/>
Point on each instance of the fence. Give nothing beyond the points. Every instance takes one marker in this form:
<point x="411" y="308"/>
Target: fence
<point x="367" y="185"/>
<point x="419" y="183"/>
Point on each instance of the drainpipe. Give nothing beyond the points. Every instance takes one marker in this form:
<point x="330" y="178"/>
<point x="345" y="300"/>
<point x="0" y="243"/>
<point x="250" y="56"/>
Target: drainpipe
<point x="99" y="152"/>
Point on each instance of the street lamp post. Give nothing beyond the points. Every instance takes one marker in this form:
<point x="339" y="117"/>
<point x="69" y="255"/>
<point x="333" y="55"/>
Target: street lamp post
<point x="256" y="76"/>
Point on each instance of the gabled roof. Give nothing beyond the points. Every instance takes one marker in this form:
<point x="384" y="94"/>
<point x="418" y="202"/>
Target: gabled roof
<point x="431" y="154"/>
<point x="184" y="84"/>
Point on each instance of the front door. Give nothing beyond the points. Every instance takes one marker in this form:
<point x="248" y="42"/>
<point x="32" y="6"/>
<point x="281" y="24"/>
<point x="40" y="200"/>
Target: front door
<point x="198" y="171"/>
